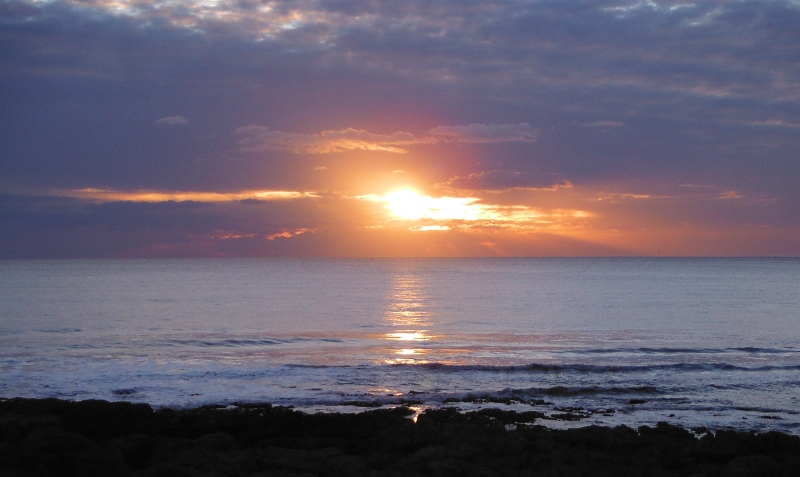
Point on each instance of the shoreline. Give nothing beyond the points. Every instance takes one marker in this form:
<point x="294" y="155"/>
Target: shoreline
<point x="43" y="437"/>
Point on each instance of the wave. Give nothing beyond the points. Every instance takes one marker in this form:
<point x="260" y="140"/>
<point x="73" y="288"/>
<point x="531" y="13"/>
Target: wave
<point x="596" y="369"/>
<point x="539" y="368"/>
<point x="244" y="342"/>
<point x="586" y="391"/>
<point x="644" y="350"/>
<point x="59" y="330"/>
<point x="531" y="396"/>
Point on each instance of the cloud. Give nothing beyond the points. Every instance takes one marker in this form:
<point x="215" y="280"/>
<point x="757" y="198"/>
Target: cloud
<point x="484" y="133"/>
<point x="731" y="194"/>
<point x="614" y="196"/>
<point x="288" y="233"/>
<point x="682" y="192"/>
<point x="173" y="121"/>
<point x="775" y="123"/>
<point x="604" y="124"/>
<point x="110" y="195"/>
<point x="498" y="180"/>
<point x="261" y="139"/>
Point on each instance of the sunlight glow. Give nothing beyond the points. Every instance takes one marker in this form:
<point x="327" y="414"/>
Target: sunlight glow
<point x="407" y="204"/>
<point x="428" y="228"/>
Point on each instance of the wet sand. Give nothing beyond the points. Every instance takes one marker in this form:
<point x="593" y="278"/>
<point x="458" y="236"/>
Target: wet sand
<point x="52" y="437"/>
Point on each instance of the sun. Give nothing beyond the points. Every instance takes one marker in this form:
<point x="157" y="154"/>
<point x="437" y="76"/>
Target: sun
<point x="407" y="204"/>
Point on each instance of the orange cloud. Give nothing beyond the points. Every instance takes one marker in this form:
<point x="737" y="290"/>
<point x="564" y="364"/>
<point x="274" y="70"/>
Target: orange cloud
<point x="498" y="180"/>
<point x="110" y="195"/>
<point x="260" y="139"/>
<point x="233" y="236"/>
<point x="289" y="233"/>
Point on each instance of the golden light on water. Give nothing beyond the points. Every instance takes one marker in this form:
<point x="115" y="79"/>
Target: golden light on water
<point x="417" y="411"/>
<point x="408" y="356"/>
<point x="408" y="336"/>
<point x="407" y="314"/>
<point x="410" y="351"/>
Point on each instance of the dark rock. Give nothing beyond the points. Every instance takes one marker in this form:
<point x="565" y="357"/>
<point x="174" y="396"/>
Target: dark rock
<point x="46" y="441"/>
<point x="295" y="460"/>
<point x="721" y="447"/>
<point x="667" y="430"/>
<point x="167" y="448"/>
<point x="26" y="423"/>
<point x="94" y="419"/>
<point x="135" y="449"/>
<point x="50" y="437"/>
<point x="592" y="437"/>
<point x="445" y="468"/>
<point x="751" y="466"/>
<point x="170" y="470"/>
<point x="775" y="442"/>
<point x="509" y="417"/>
<point x="567" y="416"/>
<point x="54" y="451"/>
<point x="259" y="406"/>
<point x="362" y="403"/>
<point x="10" y="472"/>
<point x="409" y="402"/>
<point x="217" y="442"/>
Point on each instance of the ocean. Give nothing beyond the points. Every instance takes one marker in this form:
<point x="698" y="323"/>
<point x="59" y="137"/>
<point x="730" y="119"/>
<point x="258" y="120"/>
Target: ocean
<point x="690" y="341"/>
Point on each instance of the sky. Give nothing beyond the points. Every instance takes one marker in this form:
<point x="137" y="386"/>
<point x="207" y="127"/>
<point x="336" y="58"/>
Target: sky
<point x="368" y="128"/>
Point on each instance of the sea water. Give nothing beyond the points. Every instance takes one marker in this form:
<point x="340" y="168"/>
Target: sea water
<point x="694" y="342"/>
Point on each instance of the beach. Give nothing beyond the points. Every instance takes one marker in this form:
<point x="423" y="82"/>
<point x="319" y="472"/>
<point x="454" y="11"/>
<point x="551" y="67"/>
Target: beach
<point x="53" y="437"/>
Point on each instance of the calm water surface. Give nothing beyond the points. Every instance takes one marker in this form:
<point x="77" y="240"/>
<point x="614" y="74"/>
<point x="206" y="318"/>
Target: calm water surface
<point x="709" y="342"/>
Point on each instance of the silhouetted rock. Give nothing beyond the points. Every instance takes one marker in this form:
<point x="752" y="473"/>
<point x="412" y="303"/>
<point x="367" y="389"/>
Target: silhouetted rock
<point x="750" y="466"/>
<point x="55" y="451"/>
<point x="41" y="438"/>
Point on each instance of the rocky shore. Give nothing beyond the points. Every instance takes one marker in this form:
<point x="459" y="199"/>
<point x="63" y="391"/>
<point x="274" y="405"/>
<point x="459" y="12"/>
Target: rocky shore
<point x="97" y="438"/>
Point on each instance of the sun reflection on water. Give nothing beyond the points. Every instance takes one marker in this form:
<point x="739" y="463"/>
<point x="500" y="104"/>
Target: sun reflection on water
<point x="408" y="315"/>
<point x="408" y="336"/>
<point x="411" y="351"/>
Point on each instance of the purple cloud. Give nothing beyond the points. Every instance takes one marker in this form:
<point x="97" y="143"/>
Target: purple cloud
<point x="260" y="138"/>
<point x="173" y="121"/>
<point x="506" y="180"/>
